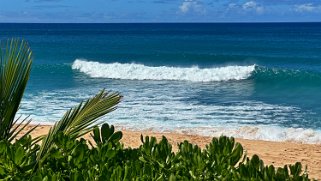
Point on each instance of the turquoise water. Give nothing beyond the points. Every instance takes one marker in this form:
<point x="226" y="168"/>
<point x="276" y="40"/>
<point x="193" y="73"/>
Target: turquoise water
<point x="256" y="81"/>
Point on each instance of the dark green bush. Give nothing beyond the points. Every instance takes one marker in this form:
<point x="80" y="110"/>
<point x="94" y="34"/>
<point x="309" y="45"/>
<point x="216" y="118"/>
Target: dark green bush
<point x="107" y="159"/>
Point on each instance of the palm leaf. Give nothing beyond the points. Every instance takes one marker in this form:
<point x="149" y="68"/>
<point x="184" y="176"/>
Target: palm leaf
<point x="81" y="119"/>
<point x="15" y="65"/>
<point x="19" y="127"/>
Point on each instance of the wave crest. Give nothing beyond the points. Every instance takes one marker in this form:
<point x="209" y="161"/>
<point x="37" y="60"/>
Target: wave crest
<point x="134" y="71"/>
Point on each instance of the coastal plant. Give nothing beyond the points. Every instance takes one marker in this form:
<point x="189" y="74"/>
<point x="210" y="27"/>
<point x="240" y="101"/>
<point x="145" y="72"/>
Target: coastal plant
<point x="15" y="66"/>
<point x="107" y="159"/>
<point x="81" y="119"/>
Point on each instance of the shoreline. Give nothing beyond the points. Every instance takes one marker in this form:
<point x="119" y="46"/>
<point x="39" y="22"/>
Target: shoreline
<point x="271" y="152"/>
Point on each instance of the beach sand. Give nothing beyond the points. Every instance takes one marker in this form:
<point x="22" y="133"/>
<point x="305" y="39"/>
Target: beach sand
<point x="276" y="153"/>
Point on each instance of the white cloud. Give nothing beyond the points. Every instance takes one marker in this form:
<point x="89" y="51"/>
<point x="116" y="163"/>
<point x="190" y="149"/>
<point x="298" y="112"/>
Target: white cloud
<point x="192" y="6"/>
<point x="249" y="6"/>
<point x="232" y="5"/>
<point x="253" y="6"/>
<point x="186" y="6"/>
<point x="308" y="7"/>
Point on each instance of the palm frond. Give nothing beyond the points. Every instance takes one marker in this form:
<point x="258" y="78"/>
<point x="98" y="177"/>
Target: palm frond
<point x="15" y="65"/>
<point x="81" y="119"/>
<point x="19" y="127"/>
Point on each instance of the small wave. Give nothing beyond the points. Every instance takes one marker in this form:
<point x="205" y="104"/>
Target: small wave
<point x="281" y="75"/>
<point x="259" y="132"/>
<point x="134" y="71"/>
<point x="164" y="111"/>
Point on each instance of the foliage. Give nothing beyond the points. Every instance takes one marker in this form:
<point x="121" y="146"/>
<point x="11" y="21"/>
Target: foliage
<point x="15" y="65"/>
<point x="80" y="120"/>
<point x="107" y="159"/>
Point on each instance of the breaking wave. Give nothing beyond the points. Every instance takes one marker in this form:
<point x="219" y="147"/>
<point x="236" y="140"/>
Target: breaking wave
<point x="132" y="71"/>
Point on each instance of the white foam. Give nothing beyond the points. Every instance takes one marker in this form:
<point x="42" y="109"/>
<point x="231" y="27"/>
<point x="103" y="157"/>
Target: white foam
<point x="259" y="132"/>
<point x="141" y="72"/>
<point x="177" y="108"/>
<point x="168" y="114"/>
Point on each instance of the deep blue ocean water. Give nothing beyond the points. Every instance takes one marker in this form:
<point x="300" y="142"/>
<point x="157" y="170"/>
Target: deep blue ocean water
<point x="255" y="80"/>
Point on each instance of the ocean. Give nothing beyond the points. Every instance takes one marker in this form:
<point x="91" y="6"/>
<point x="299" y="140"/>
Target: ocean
<point x="247" y="80"/>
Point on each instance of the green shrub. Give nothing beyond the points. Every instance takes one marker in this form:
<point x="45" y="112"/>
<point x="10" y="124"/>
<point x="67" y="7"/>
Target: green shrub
<point x="107" y="159"/>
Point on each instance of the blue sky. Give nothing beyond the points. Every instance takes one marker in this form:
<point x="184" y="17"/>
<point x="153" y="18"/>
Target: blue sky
<point x="105" y="11"/>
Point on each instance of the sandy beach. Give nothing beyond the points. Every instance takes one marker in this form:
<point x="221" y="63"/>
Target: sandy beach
<point x="276" y="153"/>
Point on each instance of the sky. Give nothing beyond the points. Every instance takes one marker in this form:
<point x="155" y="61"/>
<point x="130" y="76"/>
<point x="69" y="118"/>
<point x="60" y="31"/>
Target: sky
<point x="118" y="11"/>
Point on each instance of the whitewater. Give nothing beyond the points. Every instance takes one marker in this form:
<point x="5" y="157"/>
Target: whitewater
<point x="154" y="100"/>
<point x="179" y="99"/>
<point x="134" y="71"/>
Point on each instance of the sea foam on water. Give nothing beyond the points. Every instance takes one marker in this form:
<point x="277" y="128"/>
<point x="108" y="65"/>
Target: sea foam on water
<point x="132" y="71"/>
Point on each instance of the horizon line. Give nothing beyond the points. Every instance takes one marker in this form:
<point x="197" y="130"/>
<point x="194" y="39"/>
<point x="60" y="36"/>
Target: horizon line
<point x="227" y="22"/>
